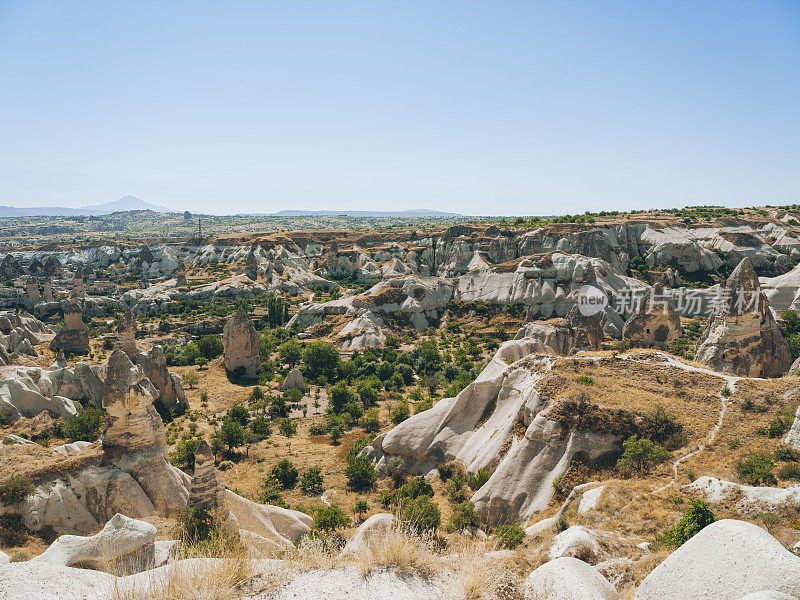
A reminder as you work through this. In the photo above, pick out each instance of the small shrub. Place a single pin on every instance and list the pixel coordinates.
(697, 516)
(446, 470)
(421, 513)
(463, 517)
(400, 412)
(271, 493)
(784, 454)
(585, 380)
(510, 535)
(790, 471)
(415, 488)
(85, 425)
(312, 481)
(360, 508)
(676, 441)
(20, 556)
(640, 456)
(196, 524)
(561, 525)
(285, 474)
(361, 474)
(15, 490)
(478, 479)
(756, 469)
(330, 518)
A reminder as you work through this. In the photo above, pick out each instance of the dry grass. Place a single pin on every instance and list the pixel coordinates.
(400, 549)
(212, 570)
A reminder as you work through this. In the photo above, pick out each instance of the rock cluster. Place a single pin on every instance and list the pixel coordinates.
(655, 324)
(126, 335)
(74, 335)
(742, 337)
(241, 345)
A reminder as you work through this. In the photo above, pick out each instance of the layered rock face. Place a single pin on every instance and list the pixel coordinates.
(575, 333)
(126, 332)
(168, 385)
(241, 345)
(74, 335)
(207, 490)
(742, 337)
(655, 324)
(479, 428)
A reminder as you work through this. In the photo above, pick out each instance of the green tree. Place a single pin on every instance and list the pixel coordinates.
(640, 455)
(360, 508)
(260, 427)
(85, 425)
(698, 516)
(330, 518)
(210, 346)
(361, 474)
(285, 473)
(312, 481)
(240, 414)
(183, 456)
(287, 428)
(340, 396)
(321, 360)
(400, 412)
(290, 352)
(231, 434)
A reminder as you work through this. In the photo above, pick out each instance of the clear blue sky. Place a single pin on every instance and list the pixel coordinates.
(475, 107)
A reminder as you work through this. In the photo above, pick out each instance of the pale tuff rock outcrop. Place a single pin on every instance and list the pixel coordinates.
(251, 265)
(793, 437)
(32, 295)
(135, 440)
(78, 284)
(241, 345)
(294, 380)
(477, 428)
(749, 500)
(52, 267)
(742, 337)
(370, 532)
(180, 274)
(364, 331)
(656, 323)
(569, 579)
(169, 385)
(120, 538)
(74, 335)
(575, 333)
(47, 291)
(20, 333)
(126, 332)
(724, 561)
(577, 542)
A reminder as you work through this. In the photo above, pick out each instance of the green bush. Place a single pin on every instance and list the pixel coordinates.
(463, 517)
(239, 413)
(183, 456)
(640, 455)
(510, 535)
(260, 427)
(312, 481)
(698, 515)
(415, 488)
(371, 421)
(321, 359)
(790, 471)
(15, 490)
(285, 473)
(784, 454)
(196, 524)
(210, 346)
(330, 518)
(231, 433)
(271, 493)
(85, 425)
(585, 380)
(421, 513)
(361, 474)
(400, 412)
(477, 480)
(756, 469)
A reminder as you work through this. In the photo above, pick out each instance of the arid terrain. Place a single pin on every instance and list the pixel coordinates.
(335, 407)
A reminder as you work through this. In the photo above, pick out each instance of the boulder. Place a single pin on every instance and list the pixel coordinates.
(370, 532)
(294, 380)
(724, 561)
(119, 537)
(577, 542)
(569, 579)
(742, 337)
(241, 345)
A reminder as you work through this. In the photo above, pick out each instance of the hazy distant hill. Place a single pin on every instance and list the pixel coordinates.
(126, 203)
(123, 204)
(422, 212)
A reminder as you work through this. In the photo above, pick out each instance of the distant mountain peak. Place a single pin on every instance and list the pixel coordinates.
(128, 202)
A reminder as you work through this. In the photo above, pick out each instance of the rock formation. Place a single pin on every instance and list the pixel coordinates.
(724, 561)
(126, 335)
(251, 265)
(241, 345)
(575, 333)
(294, 380)
(52, 267)
(78, 284)
(32, 296)
(168, 385)
(47, 292)
(10, 267)
(74, 335)
(180, 274)
(655, 324)
(742, 337)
